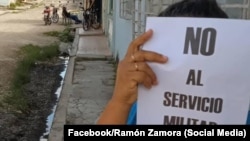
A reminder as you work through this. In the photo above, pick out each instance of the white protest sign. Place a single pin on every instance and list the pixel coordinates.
(207, 78)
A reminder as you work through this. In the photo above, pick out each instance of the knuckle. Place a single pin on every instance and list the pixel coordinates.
(143, 75)
(136, 43)
(140, 56)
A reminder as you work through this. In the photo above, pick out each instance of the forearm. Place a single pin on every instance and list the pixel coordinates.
(115, 113)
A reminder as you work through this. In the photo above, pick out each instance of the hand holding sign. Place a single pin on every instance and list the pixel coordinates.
(206, 80)
(132, 71)
(135, 70)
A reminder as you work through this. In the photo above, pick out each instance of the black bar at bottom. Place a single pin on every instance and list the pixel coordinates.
(78, 132)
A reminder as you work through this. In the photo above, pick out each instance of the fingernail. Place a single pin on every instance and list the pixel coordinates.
(165, 58)
(155, 82)
(150, 30)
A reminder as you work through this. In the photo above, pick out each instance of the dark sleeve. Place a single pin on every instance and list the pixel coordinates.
(67, 14)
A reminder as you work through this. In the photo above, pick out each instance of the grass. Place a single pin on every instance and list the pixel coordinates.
(64, 36)
(29, 55)
(12, 6)
(19, 3)
(52, 33)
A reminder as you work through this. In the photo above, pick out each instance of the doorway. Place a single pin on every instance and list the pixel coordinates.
(98, 5)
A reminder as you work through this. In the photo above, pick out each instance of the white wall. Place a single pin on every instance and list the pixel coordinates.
(122, 35)
(6, 2)
(118, 30)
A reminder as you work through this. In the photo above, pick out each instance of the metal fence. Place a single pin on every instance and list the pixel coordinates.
(138, 10)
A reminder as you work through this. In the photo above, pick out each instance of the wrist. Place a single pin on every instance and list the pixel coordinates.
(120, 103)
(124, 96)
(116, 112)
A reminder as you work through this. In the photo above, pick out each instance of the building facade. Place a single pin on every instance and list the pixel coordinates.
(124, 20)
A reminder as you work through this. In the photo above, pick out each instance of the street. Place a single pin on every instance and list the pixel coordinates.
(88, 85)
(18, 29)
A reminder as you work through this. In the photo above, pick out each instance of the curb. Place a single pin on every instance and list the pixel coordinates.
(91, 57)
(60, 114)
(92, 34)
(56, 131)
(60, 117)
(75, 44)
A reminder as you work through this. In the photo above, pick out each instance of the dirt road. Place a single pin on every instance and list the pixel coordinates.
(16, 30)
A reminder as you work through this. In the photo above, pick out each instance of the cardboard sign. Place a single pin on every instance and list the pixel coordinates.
(207, 78)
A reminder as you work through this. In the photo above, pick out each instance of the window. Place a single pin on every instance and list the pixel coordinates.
(111, 7)
(126, 9)
(138, 10)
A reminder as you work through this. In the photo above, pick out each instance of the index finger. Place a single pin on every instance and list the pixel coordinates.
(150, 56)
(135, 45)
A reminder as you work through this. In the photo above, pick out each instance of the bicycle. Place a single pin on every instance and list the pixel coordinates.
(55, 15)
(90, 19)
(94, 19)
(85, 21)
(47, 19)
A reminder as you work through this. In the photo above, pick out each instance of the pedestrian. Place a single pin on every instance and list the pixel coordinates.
(133, 69)
(71, 16)
(47, 11)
